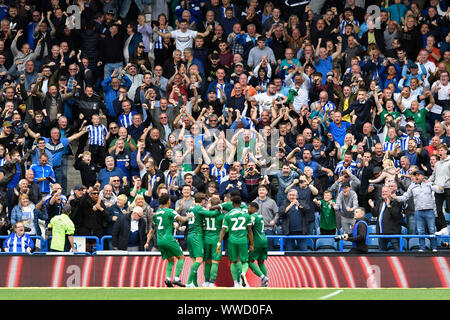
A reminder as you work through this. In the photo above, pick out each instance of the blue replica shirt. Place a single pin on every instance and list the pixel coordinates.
(104, 175)
(312, 164)
(18, 244)
(57, 150)
(339, 133)
(43, 172)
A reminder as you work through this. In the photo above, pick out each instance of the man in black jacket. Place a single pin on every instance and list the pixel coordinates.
(389, 218)
(362, 107)
(154, 145)
(93, 214)
(112, 49)
(410, 35)
(129, 231)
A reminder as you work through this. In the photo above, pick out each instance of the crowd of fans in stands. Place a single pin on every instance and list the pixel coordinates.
(310, 108)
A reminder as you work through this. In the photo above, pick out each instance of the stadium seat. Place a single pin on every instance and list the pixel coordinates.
(403, 244)
(372, 220)
(346, 245)
(372, 229)
(413, 244)
(373, 243)
(447, 217)
(310, 244)
(325, 244)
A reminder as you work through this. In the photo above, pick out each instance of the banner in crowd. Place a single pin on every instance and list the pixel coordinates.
(318, 271)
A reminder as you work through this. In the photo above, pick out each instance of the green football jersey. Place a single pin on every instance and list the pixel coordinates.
(196, 222)
(164, 224)
(213, 225)
(228, 206)
(259, 237)
(236, 222)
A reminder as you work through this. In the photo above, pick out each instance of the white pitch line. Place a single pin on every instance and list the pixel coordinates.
(331, 294)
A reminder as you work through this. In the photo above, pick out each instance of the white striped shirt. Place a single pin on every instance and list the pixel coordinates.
(97, 135)
(221, 173)
(159, 43)
(343, 23)
(16, 244)
(219, 92)
(126, 120)
(328, 106)
(404, 140)
(353, 167)
(391, 146)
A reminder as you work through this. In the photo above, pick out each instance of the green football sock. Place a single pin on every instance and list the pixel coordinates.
(179, 267)
(244, 268)
(239, 269)
(263, 269)
(254, 267)
(169, 268)
(234, 272)
(207, 271)
(214, 269)
(193, 273)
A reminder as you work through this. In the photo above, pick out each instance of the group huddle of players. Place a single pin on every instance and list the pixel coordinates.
(207, 227)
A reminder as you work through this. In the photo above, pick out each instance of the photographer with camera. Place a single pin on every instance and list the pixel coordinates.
(359, 234)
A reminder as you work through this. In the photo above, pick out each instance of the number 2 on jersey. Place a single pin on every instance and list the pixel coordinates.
(235, 226)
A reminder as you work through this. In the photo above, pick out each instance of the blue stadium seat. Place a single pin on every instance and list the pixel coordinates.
(372, 229)
(447, 217)
(373, 243)
(346, 245)
(325, 244)
(413, 244)
(310, 244)
(402, 245)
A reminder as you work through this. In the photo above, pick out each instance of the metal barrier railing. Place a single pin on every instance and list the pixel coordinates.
(339, 246)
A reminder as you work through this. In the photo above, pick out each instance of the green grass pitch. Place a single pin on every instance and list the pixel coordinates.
(220, 294)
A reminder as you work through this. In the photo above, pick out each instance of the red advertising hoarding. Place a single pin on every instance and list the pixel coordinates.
(318, 271)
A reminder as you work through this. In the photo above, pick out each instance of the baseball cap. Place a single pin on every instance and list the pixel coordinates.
(78, 187)
(111, 12)
(414, 65)
(239, 64)
(7, 124)
(410, 123)
(63, 78)
(419, 172)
